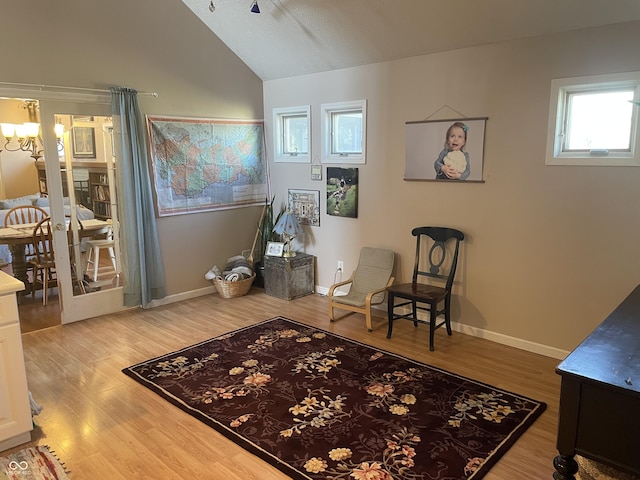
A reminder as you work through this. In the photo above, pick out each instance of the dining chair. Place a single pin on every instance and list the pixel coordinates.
(25, 214)
(434, 269)
(367, 284)
(43, 262)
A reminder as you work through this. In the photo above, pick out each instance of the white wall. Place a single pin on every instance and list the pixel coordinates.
(549, 250)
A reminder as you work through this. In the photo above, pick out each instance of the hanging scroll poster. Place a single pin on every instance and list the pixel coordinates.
(447, 150)
(206, 164)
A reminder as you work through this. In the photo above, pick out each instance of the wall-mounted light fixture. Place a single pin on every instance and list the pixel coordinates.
(27, 134)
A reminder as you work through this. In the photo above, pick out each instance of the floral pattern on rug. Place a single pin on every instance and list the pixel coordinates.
(320, 406)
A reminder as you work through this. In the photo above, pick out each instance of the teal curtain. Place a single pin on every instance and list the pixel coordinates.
(144, 278)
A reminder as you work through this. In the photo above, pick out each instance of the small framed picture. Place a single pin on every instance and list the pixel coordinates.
(342, 192)
(83, 142)
(274, 249)
(306, 206)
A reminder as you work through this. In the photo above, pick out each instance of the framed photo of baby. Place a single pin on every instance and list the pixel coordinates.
(445, 150)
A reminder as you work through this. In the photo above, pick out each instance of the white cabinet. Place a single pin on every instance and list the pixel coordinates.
(15, 410)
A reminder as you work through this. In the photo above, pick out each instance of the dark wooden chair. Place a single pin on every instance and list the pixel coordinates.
(435, 263)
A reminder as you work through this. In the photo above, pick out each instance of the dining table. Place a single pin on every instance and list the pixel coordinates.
(17, 237)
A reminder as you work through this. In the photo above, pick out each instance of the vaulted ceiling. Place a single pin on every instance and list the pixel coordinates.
(296, 37)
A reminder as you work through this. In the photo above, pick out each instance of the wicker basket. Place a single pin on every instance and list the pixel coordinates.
(233, 289)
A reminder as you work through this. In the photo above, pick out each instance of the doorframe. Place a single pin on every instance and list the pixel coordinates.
(79, 307)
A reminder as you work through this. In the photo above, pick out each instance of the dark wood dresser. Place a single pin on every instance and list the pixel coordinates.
(600, 395)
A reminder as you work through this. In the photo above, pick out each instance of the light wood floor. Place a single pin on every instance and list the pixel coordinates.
(104, 425)
(35, 316)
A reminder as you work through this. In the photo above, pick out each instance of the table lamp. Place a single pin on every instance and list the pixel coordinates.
(289, 226)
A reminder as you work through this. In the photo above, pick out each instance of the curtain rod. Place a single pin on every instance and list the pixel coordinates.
(60, 87)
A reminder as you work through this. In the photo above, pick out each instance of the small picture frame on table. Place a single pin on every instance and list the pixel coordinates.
(274, 249)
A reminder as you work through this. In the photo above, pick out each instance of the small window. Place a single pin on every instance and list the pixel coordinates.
(291, 134)
(344, 132)
(592, 121)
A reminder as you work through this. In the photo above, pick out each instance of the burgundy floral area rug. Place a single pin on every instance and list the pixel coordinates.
(320, 406)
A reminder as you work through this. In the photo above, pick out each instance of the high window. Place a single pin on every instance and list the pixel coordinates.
(593, 121)
(291, 134)
(344, 132)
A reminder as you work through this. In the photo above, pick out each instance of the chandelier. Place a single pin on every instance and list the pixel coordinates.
(27, 135)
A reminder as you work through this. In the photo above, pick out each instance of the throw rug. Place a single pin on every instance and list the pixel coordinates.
(33, 463)
(320, 406)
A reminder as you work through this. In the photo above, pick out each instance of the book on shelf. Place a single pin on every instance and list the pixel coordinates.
(102, 209)
(102, 193)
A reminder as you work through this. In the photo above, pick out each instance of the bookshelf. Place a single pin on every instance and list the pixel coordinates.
(100, 194)
(90, 185)
(42, 181)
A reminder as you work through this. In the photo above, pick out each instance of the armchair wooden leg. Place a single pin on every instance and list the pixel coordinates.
(368, 320)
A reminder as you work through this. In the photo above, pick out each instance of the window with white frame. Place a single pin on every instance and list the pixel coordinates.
(344, 127)
(592, 121)
(291, 127)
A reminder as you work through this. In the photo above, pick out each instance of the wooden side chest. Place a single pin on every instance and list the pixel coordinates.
(289, 277)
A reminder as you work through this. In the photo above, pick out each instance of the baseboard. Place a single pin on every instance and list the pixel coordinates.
(178, 297)
(322, 290)
(519, 343)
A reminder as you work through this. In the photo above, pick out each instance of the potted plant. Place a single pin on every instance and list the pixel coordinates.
(265, 235)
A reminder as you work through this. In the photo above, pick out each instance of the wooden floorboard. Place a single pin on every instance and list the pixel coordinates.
(103, 424)
(36, 316)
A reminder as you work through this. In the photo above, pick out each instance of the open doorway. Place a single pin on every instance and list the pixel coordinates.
(79, 179)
